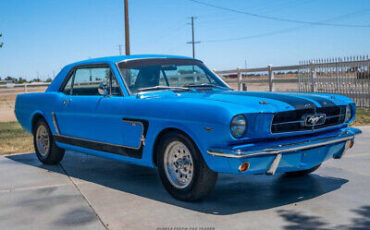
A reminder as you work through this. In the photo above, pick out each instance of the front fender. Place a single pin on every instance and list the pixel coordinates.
(195, 130)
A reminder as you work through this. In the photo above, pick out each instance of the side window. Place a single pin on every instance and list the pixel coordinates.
(87, 80)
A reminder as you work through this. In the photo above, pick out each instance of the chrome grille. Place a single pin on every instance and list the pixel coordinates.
(293, 121)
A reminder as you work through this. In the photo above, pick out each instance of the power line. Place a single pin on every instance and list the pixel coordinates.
(165, 34)
(280, 31)
(277, 18)
(254, 36)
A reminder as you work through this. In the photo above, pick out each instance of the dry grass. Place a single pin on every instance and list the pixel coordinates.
(14, 139)
(362, 117)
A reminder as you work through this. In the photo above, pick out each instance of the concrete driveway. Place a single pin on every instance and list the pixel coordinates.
(86, 192)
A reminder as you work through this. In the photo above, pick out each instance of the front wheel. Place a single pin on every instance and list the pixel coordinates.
(46, 149)
(303, 172)
(182, 170)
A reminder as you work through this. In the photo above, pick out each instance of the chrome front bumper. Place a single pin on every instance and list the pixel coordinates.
(345, 135)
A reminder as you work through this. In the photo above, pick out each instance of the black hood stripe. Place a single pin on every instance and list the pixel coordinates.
(321, 100)
(295, 101)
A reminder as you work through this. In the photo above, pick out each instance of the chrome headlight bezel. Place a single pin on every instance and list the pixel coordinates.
(348, 114)
(238, 126)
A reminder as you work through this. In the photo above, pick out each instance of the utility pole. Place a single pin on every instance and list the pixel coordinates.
(193, 42)
(120, 49)
(127, 29)
(1, 43)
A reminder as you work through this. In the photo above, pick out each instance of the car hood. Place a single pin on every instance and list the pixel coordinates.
(259, 101)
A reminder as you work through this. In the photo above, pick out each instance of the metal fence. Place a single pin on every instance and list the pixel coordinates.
(348, 76)
(9, 87)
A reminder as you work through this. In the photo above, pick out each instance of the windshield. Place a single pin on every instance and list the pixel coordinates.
(167, 74)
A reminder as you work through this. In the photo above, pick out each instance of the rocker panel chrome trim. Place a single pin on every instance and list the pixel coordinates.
(101, 146)
(55, 123)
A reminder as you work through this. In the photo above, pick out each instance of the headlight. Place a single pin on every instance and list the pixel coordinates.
(238, 126)
(348, 115)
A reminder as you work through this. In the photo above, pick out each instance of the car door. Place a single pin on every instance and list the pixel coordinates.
(94, 120)
(113, 123)
(80, 96)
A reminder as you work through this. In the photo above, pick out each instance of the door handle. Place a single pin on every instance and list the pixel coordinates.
(65, 101)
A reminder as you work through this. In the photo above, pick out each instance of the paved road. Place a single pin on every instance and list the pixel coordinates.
(85, 192)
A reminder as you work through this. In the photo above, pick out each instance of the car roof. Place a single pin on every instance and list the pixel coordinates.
(115, 59)
(58, 80)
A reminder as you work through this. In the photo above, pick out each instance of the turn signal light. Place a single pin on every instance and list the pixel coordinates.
(351, 144)
(244, 167)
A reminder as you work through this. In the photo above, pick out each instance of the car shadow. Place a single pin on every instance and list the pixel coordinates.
(232, 194)
(298, 220)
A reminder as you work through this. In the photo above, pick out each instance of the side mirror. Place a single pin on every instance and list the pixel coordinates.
(103, 89)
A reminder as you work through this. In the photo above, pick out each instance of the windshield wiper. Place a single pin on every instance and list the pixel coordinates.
(162, 87)
(193, 85)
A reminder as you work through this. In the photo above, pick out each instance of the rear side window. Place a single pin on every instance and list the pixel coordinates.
(86, 81)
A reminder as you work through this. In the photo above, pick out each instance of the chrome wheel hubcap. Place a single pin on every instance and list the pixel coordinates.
(42, 140)
(178, 164)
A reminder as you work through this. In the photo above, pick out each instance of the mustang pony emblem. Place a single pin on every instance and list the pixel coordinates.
(311, 120)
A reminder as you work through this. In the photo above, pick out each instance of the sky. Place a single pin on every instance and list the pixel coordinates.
(42, 36)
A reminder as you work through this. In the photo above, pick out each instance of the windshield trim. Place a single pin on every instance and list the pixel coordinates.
(139, 62)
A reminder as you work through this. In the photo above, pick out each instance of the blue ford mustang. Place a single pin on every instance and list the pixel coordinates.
(173, 113)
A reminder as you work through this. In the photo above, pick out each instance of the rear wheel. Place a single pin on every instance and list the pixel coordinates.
(182, 169)
(46, 149)
(303, 172)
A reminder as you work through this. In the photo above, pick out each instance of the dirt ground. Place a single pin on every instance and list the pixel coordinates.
(7, 102)
(7, 108)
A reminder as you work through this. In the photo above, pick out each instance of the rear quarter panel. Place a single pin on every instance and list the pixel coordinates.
(30, 104)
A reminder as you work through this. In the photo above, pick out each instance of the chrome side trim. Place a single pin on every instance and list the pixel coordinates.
(98, 142)
(344, 136)
(55, 122)
(144, 125)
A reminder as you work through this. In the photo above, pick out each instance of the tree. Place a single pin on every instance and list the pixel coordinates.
(36, 80)
(49, 79)
(21, 80)
(1, 43)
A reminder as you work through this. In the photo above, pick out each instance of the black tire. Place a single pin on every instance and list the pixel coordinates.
(54, 154)
(203, 179)
(302, 172)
